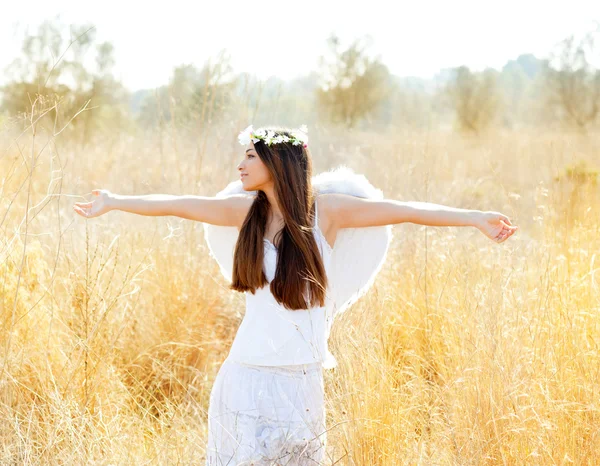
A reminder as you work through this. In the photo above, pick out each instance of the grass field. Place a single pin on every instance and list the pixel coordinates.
(465, 352)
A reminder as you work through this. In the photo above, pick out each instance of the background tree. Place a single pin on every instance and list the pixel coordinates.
(194, 97)
(410, 104)
(474, 97)
(519, 83)
(573, 83)
(53, 67)
(353, 84)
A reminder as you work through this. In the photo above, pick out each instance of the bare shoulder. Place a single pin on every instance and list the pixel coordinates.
(241, 203)
(329, 223)
(348, 211)
(328, 206)
(326, 201)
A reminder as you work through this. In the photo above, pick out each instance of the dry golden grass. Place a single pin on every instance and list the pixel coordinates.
(465, 352)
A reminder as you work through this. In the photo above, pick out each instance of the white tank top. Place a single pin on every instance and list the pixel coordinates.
(271, 335)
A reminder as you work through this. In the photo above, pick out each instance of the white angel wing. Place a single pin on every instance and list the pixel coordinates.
(358, 253)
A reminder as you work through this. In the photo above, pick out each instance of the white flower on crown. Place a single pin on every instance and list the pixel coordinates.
(268, 136)
(244, 136)
(300, 136)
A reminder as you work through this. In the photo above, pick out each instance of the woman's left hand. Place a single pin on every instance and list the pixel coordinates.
(495, 226)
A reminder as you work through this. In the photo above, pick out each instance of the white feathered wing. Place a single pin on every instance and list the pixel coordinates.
(358, 253)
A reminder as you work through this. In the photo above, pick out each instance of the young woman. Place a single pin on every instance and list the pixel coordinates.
(302, 249)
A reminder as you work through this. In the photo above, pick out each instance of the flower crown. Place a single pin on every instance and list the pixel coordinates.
(299, 136)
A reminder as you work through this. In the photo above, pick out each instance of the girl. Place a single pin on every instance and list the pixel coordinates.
(302, 249)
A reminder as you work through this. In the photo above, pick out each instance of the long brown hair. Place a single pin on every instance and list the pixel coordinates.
(300, 266)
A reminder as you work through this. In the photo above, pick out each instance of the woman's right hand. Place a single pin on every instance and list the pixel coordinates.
(100, 205)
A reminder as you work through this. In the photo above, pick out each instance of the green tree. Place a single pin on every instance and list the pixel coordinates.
(573, 83)
(53, 67)
(194, 97)
(353, 85)
(474, 97)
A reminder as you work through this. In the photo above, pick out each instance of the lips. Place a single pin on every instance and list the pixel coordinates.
(243, 175)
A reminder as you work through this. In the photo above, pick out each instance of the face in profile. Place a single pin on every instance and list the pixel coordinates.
(254, 173)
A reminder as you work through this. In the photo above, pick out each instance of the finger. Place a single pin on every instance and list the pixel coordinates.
(95, 191)
(506, 219)
(80, 212)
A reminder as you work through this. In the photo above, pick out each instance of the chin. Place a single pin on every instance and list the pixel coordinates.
(248, 187)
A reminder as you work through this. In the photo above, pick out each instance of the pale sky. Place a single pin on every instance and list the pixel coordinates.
(285, 39)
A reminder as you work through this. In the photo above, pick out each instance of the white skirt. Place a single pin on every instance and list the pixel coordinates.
(266, 415)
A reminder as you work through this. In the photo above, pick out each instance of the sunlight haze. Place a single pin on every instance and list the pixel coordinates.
(285, 39)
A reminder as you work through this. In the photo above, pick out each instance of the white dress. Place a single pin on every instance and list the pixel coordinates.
(266, 415)
(267, 402)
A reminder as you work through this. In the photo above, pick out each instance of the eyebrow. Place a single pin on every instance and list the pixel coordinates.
(248, 150)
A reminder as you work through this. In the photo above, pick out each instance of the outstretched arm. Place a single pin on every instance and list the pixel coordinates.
(225, 211)
(354, 212)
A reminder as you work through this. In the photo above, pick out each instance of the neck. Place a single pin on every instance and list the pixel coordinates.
(275, 210)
